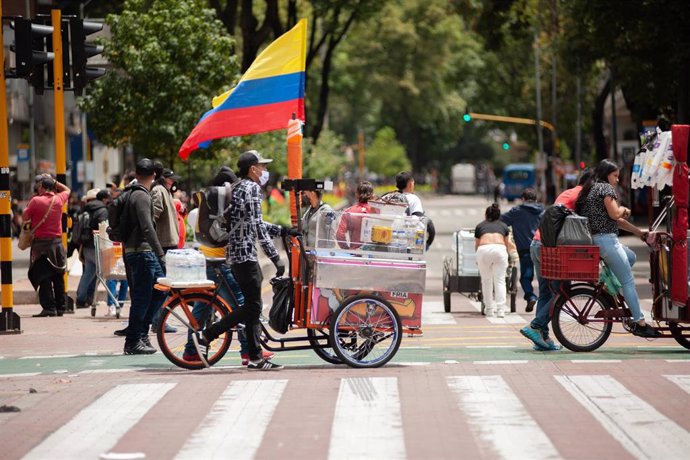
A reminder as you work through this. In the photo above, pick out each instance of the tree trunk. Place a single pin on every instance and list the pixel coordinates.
(227, 15)
(598, 122)
(253, 38)
(324, 90)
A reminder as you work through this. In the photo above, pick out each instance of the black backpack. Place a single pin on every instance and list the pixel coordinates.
(551, 223)
(81, 231)
(211, 226)
(118, 215)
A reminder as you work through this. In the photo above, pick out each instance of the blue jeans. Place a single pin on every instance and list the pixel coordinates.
(234, 297)
(143, 271)
(527, 274)
(620, 259)
(542, 317)
(112, 287)
(87, 283)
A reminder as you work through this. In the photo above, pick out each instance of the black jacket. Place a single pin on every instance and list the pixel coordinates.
(98, 213)
(140, 220)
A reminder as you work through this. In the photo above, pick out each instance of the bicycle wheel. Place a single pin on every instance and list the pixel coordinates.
(327, 354)
(572, 329)
(176, 314)
(365, 331)
(681, 334)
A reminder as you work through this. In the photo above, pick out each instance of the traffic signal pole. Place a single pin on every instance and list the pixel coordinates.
(522, 121)
(9, 320)
(59, 103)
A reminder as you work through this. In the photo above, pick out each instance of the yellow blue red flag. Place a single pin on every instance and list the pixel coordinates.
(267, 95)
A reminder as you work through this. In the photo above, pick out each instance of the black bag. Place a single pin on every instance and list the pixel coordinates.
(575, 231)
(118, 215)
(81, 231)
(551, 223)
(280, 316)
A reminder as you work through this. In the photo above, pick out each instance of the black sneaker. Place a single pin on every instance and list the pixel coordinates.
(45, 313)
(201, 345)
(530, 305)
(139, 348)
(147, 341)
(263, 365)
(121, 332)
(645, 331)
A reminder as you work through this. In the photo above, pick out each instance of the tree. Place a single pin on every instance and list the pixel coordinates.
(168, 58)
(385, 155)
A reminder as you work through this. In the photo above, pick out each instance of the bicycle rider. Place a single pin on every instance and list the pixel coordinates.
(246, 225)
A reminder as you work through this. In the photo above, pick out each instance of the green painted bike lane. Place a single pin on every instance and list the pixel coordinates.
(87, 363)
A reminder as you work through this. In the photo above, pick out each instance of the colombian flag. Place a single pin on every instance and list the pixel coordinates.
(265, 98)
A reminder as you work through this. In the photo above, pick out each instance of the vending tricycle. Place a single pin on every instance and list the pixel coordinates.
(355, 293)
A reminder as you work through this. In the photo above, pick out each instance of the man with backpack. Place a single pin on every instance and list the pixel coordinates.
(404, 193)
(131, 222)
(93, 213)
(246, 226)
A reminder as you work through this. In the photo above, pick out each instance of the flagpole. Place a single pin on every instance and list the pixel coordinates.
(294, 164)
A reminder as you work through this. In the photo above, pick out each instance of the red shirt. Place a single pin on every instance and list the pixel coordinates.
(351, 226)
(567, 199)
(36, 209)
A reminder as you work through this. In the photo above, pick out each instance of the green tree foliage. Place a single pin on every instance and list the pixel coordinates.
(386, 156)
(409, 68)
(169, 58)
(325, 158)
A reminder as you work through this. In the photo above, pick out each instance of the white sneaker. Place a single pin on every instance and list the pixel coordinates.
(111, 311)
(489, 312)
(500, 313)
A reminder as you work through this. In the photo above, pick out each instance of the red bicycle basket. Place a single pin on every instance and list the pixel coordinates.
(574, 263)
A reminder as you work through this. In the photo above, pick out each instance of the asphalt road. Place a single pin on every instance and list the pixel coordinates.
(471, 387)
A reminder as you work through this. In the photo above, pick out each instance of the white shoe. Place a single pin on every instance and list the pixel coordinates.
(489, 312)
(111, 311)
(500, 313)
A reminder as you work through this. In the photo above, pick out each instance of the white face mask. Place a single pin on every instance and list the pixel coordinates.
(263, 179)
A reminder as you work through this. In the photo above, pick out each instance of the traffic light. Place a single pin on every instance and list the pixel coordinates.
(467, 117)
(30, 49)
(82, 51)
(506, 146)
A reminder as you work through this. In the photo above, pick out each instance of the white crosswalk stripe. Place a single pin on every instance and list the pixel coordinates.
(640, 428)
(491, 408)
(367, 422)
(236, 422)
(366, 418)
(510, 318)
(98, 427)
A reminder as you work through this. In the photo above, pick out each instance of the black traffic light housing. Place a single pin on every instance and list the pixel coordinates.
(82, 51)
(31, 50)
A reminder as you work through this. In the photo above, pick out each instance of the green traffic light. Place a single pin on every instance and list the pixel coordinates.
(506, 146)
(467, 118)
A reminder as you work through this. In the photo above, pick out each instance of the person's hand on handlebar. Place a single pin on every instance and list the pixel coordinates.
(280, 266)
(289, 231)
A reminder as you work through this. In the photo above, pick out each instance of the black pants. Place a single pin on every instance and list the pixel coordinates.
(51, 293)
(248, 276)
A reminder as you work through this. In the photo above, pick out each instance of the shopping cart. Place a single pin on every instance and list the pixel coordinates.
(109, 266)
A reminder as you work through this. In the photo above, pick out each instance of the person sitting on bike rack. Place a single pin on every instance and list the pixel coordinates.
(493, 244)
(598, 202)
(246, 225)
(218, 271)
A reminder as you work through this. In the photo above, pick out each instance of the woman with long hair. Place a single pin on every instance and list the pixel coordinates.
(598, 201)
(492, 242)
(348, 235)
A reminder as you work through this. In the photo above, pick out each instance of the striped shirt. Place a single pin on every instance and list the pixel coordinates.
(246, 225)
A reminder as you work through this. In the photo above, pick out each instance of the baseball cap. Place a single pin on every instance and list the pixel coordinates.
(144, 167)
(251, 157)
(169, 174)
(91, 194)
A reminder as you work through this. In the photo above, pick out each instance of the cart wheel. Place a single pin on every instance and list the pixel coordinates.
(365, 331)
(118, 310)
(173, 345)
(575, 332)
(93, 310)
(446, 292)
(326, 354)
(681, 333)
(513, 288)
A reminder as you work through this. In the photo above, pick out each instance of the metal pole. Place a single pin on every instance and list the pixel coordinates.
(9, 320)
(32, 121)
(59, 98)
(537, 85)
(578, 121)
(614, 122)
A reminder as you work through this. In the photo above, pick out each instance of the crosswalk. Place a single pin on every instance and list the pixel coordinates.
(371, 417)
(456, 212)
